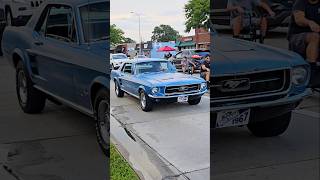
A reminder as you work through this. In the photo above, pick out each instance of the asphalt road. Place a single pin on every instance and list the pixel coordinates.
(170, 141)
(58, 144)
(295, 155)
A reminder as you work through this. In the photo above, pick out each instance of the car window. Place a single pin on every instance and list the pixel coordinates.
(119, 56)
(95, 21)
(127, 68)
(154, 66)
(60, 23)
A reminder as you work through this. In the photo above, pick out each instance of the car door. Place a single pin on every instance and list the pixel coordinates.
(52, 54)
(125, 77)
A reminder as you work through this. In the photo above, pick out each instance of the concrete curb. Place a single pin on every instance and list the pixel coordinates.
(145, 161)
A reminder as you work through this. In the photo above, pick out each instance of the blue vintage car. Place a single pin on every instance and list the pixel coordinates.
(155, 80)
(60, 55)
(255, 85)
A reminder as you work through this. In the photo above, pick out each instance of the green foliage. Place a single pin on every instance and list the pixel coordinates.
(120, 169)
(197, 13)
(164, 33)
(128, 40)
(116, 35)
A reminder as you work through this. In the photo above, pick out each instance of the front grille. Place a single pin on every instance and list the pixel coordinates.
(184, 89)
(253, 84)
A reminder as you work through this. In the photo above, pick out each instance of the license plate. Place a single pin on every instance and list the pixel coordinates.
(182, 98)
(233, 118)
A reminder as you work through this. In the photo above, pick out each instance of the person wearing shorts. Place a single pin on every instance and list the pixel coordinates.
(304, 34)
(241, 10)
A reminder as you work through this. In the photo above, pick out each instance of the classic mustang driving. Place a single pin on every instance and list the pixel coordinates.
(155, 80)
(60, 56)
(255, 85)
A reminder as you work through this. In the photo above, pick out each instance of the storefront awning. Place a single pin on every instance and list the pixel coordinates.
(185, 44)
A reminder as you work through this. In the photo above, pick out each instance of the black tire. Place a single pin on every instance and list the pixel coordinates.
(9, 17)
(146, 102)
(102, 112)
(194, 101)
(117, 89)
(272, 127)
(30, 99)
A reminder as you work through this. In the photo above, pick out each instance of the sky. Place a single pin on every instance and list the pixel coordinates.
(153, 13)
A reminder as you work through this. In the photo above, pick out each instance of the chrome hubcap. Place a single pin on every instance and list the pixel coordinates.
(116, 88)
(103, 121)
(143, 100)
(22, 87)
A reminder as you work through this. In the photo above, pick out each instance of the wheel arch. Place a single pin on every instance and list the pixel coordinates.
(98, 83)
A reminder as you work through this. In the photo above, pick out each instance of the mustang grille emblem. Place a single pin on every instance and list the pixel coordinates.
(235, 85)
(183, 88)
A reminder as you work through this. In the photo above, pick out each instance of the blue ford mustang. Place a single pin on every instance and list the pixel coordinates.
(155, 80)
(60, 56)
(255, 85)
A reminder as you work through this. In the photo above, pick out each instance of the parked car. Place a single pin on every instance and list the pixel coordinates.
(256, 85)
(18, 12)
(282, 8)
(156, 80)
(117, 59)
(196, 55)
(53, 61)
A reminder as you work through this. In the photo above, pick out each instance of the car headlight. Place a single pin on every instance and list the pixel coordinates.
(155, 90)
(299, 75)
(203, 85)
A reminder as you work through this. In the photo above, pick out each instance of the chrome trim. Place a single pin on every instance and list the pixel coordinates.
(131, 94)
(178, 86)
(285, 100)
(67, 102)
(174, 96)
(253, 72)
(264, 94)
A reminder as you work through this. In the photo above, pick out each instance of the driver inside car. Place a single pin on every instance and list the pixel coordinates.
(241, 10)
(304, 35)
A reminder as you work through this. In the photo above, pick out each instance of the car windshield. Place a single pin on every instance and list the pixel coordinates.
(95, 21)
(119, 56)
(154, 66)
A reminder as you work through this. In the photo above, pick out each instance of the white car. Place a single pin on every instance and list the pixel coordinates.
(117, 59)
(20, 10)
(140, 57)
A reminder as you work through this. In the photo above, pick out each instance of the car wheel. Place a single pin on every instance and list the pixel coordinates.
(117, 89)
(9, 18)
(102, 111)
(145, 102)
(194, 101)
(30, 99)
(272, 127)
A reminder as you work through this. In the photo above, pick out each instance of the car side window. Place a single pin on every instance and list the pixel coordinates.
(60, 24)
(127, 68)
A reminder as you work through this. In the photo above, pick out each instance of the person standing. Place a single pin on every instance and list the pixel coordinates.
(304, 34)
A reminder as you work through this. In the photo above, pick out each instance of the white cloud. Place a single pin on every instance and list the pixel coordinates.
(153, 13)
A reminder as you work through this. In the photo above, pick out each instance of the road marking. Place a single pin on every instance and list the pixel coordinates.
(307, 113)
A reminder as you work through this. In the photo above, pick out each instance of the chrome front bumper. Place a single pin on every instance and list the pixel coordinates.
(175, 96)
(282, 101)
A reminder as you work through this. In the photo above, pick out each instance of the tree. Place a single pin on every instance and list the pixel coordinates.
(128, 40)
(197, 13)
(164, 33)
(116, 35)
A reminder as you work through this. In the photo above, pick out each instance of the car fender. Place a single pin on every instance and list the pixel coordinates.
(23, 57)
(143, 88)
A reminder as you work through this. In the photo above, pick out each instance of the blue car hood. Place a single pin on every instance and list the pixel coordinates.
(170, 79)
(231, 56)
